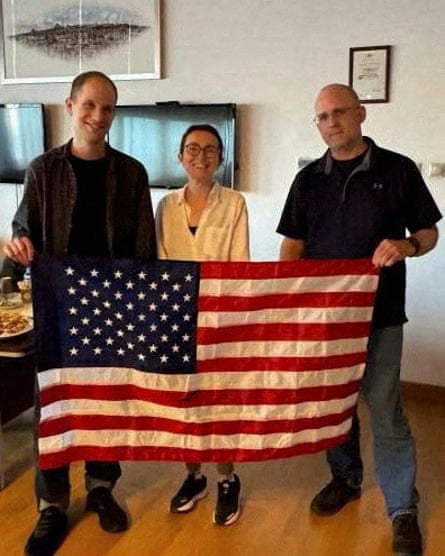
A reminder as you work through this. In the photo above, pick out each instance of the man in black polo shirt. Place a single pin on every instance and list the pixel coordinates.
(356, 201)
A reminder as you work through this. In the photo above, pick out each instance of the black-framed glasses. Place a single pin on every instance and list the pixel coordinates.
(193, 149)
(335, 114)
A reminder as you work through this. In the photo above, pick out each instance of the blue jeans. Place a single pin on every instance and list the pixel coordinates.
(394, 450)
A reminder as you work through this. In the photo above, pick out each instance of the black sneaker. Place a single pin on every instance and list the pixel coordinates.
(112, 517)
(333, 497)
(407, 540)
(227, 509)
(49, 533)
(192, 490)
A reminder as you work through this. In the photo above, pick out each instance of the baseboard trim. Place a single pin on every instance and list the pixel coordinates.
(423, 391)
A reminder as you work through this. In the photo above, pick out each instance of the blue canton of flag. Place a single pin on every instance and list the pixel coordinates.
(121, 314)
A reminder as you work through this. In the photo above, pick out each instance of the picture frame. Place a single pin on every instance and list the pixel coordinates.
(50, 41)
(369, 72)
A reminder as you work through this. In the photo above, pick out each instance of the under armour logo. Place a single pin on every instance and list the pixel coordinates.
(377, 185)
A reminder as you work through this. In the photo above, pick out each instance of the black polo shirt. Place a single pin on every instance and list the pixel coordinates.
(343, 214)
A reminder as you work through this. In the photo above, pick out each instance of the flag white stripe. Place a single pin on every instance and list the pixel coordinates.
(268, 349)
(198, 414)
(307, 284)
(108, 376)
(283, 316)
(118, 438)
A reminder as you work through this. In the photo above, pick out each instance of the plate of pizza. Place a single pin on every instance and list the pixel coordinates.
(13, 324)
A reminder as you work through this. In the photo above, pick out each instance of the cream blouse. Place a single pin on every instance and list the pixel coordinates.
(222, 233)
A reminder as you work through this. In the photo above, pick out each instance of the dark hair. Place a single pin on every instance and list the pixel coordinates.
(80, 80)
(202, 127)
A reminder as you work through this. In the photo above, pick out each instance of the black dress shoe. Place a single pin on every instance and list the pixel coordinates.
(49, 533)
(333, 497)
(407, 540)
(112, 517)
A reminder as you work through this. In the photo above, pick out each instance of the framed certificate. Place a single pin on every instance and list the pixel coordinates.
(369, 72)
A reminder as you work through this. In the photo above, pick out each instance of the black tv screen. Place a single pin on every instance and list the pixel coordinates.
(152, 134)
(22, 138)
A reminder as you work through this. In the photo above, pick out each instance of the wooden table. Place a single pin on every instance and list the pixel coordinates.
(17, 376)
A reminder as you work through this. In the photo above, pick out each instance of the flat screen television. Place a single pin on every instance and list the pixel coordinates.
(152, 134)
(22, 138)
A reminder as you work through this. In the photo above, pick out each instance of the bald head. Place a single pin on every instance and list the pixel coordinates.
(339, 115)
(337, 90)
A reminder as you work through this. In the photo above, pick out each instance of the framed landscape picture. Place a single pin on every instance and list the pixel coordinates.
(51, 40)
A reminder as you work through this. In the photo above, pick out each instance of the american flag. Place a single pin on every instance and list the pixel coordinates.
(186, 361)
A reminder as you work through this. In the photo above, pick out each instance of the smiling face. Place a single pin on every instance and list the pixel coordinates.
(201, 156)
(339, 115)
(92, 109)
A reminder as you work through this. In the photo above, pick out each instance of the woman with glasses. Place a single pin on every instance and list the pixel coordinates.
(204, 221)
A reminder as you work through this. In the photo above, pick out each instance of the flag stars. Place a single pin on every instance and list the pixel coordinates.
(118, 274)
(164, 338)
(141, 357)
(97, 350)
(176, 287)
(84, 301)
(130, 306)
(107, 304)
(72, 311)
(95, 293)
(82, 282)
(164, 358)
(164, 317)
(118, 295)
(141, 338)
(175, 327)
(176, 307)
(188, 277)
(119, 316)
(141, 317)
(69, 271)
(186, 317)
(186, 338)
(108, 322)
(120, 333)
(141, 296)
(85, 341)
(187, 297)
(109, 341)
(94, 273)
(106, 284)
(97, 331)
(120, 352)
(175, 348)
(96, 311)
(165, 276)
(153, 348)
(164, 296)
(153, 286)
(74, 331)
(142, 275)
(71, 291)
(186, 358)
(129, 285)
(74, 351)
(153, 327)
(130, 327)
(152, 307)
(130, 345)
(85, 321)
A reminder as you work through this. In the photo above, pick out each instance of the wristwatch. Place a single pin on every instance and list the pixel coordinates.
(415, 243)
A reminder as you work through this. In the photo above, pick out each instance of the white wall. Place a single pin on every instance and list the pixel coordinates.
(270, 57)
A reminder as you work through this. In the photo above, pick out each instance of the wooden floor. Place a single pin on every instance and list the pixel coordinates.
(275, 520)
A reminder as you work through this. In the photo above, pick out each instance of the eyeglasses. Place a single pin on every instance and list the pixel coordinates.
(193, 149)
(337, 113)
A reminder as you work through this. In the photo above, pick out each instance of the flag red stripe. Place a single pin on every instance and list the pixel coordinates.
(291, 269)
(197, 398)
(283, 331)
(141, 453)
(291, 364)
(236, 303)
(140, 423)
